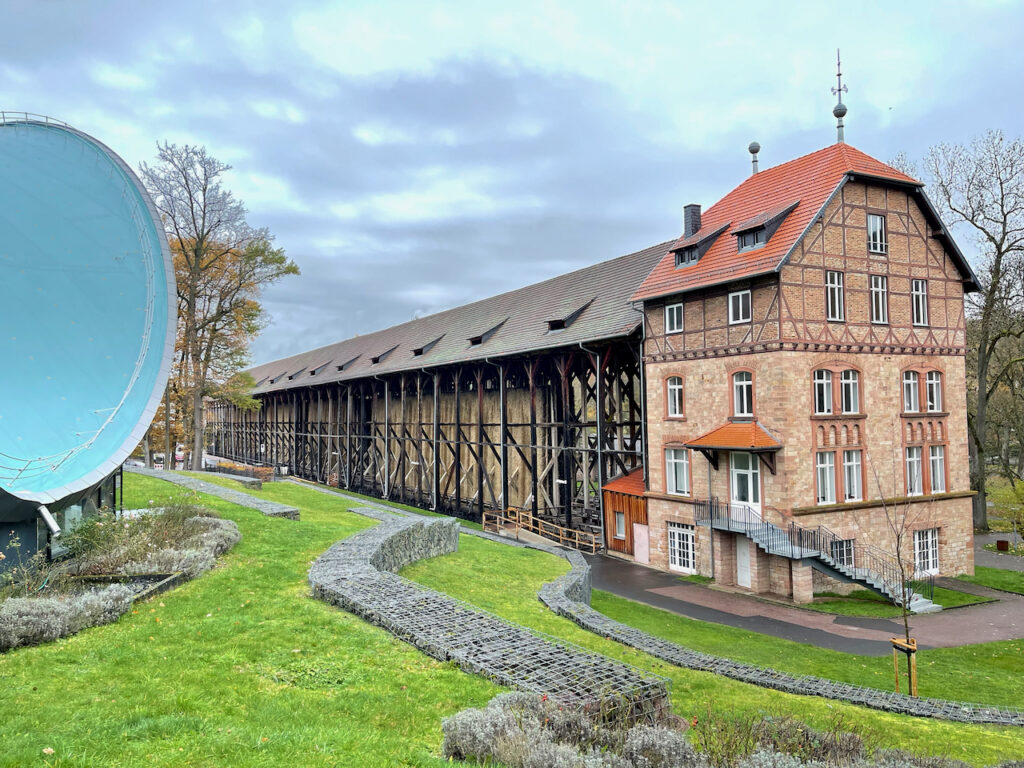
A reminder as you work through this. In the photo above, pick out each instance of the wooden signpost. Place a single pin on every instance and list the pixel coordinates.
(909, 647)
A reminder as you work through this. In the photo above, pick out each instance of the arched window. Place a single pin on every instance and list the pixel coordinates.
(674, 395)
(743, 393)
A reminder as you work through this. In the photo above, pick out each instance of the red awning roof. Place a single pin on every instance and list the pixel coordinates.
(633, 483)
(742, 435)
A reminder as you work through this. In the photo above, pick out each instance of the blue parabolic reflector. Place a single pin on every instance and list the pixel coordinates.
(87, 310)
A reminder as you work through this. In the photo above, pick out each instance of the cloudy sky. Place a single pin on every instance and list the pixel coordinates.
(414, 156)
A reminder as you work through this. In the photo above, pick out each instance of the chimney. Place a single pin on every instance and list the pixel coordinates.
(691, 219)
(753, 149)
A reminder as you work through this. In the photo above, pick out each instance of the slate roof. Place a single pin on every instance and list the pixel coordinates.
(808, 181)
(522, 315)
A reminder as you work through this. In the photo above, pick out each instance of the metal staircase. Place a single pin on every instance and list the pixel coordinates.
(868, 566)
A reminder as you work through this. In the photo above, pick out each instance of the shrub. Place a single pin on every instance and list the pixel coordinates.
(30, 621)
(834, 747)
(769, 758)
(474, 733)
(547, 754)
(897, 758)
(656, 747)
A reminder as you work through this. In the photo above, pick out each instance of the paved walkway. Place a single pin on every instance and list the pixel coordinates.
(993, 559)
(1002, 620)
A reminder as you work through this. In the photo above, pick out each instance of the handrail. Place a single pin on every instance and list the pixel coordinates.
(796, 541)
(524, 519)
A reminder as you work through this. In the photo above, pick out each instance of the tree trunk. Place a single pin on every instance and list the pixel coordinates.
(168, 456)
(197, 430)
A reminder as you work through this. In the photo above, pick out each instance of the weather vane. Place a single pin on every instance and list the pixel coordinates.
(839, 111)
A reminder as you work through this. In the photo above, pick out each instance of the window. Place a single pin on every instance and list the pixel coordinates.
(677, 471)
(852, 476)
(739, 307)
(823, 392)
(835, 306)
(926, 551)
(850, 391)
(743, 394)
(744, 479)
(687, 256)
(919, 301)
(620, 525)
(937, 466)
(673, 318)
(879, 299)
(914, 486)
(680, 548)
(933, 391)
(876, 233)
(911, 401)
(842, 552)
(751, 239)
(826, 464)
(674, 392)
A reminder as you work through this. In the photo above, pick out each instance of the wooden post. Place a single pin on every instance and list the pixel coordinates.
(910, 649)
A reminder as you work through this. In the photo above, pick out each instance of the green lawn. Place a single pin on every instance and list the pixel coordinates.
(479, 573)
(242, 668)
(1005, 501)
(864, 602)
(238, 668)
(997, 578)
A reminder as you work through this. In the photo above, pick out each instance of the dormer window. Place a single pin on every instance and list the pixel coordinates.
(475, 341)
(314, 371)
(420, 351)
(347, 364)
(563, 322)
(383, 355)
(292, 376)
(751, 239)
(687, 256)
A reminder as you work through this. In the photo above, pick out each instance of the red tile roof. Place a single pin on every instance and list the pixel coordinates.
(745, 435)
(633, 483)
(810, 179)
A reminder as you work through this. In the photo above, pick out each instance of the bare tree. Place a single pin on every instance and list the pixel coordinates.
(221, 264)
(982, 187)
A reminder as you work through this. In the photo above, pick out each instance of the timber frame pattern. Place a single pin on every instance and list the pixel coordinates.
(541, 431)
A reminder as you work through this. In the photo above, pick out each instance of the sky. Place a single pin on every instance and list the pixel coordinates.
(411, 157)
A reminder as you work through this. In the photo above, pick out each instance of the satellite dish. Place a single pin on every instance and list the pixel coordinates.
(87, 316)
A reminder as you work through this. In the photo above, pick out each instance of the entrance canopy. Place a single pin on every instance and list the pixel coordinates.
(747, 436)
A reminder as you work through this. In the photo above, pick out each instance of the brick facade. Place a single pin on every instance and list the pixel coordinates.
(789, 338)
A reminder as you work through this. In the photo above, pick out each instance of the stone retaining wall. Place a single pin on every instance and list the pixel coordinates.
(355, 575)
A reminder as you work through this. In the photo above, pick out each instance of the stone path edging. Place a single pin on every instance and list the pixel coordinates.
(268, 508)
(357, 575)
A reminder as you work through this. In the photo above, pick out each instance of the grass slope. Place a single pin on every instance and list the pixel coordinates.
(480, 574)
(238, 668)
(864, 602)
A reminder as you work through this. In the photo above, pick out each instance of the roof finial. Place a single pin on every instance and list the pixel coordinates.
(840, 109)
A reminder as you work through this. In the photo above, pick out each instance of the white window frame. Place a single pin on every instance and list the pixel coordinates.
(879, 299)
(933, 391)
(673, 313)
(677, 457)
(876, 234)
(853, 475)
(736, 307)
(823, 405)
(926, 551)
(674, 396)
(849, 386)
(835, 300)
(825, 466)
(682, 547)
(915, 475)
(751, 239)
(743, 394)
(937, 467)
(842, 552)
(919, 302)
(911, 392)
